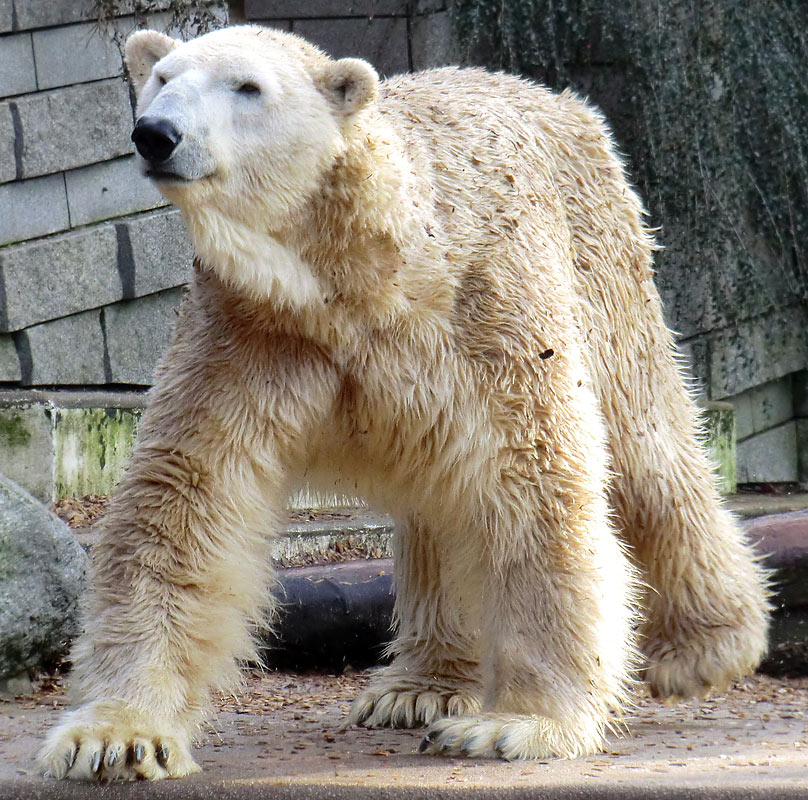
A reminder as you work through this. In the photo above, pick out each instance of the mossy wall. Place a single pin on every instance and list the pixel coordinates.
(709, 100)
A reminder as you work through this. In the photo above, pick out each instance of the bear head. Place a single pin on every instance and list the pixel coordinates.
(247, 115)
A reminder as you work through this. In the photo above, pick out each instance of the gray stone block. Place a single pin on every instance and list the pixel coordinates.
(75, 54)
(763, 407)
(769, 457)
(381, 40)
(695, 363)
(59, 276)
(46, 13)
(66, 351)
(74, 126)
(32, 208)
(109, 189)
(802, 450)
(9, 363)
(432, 41)
(44, 572)
(6, 15)
(138, 332)
(26, 447)
(758, 351)
(162, 255)
(17, 73)
(801, 393)
(8, 160)
(294, 9)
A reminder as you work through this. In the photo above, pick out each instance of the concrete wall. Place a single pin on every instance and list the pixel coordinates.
(92, 260)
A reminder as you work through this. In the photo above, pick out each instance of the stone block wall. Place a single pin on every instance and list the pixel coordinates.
(91, 256)
(92, 260)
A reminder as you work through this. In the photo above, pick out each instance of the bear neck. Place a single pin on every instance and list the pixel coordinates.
(348, 251)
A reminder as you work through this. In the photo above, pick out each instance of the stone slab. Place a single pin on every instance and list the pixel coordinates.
(9, 363)
(137, 334)
(109, 189)
(59, 276)
(46, 13)
(6, 15)
(17, 71)
(800, 387)
(75, 54)
(758, 351)
(74, 126)
(32, 208)
(26, 448)
(162, 255)
(802, 450)
(432, 41)
(380, 40)
(66, 351)
(769, 457)
(763, 407)
(293, 9)
(8, 159)
(721, 443)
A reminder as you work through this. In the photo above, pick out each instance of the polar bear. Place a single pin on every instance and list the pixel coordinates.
(435, 292)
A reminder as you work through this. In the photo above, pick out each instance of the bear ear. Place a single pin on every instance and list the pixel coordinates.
(349, 85)
(143, 50)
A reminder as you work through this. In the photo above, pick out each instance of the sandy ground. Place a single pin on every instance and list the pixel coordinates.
(282, 731)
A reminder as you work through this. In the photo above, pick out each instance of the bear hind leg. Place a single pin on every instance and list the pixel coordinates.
(435, 670)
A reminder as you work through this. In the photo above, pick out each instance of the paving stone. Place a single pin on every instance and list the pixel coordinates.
(763, 407)
(75, 54)
(67, 351)
(8, 161)
(294, 9)
(73, 126)
(758, 351)
(109, 189)
(432, 41)
(162, 255)
(381, 40)
(9, 363)
(17, 73)
(138, 332)
(59, 276)
(769, 457)
(32, 208)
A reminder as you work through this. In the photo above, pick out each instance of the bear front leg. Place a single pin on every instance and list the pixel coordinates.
(435, 668)
(181, 569)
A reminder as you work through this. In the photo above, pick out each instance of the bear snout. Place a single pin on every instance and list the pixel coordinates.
(155, 138)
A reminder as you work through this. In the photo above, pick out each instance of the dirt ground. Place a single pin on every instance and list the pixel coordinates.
(282, 730)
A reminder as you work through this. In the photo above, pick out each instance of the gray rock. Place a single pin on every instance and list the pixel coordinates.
(42, 574)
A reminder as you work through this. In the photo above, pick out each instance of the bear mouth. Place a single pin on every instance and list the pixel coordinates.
(165, 176)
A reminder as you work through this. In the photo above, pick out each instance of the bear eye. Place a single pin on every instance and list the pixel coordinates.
(248, 88)
(161, 80)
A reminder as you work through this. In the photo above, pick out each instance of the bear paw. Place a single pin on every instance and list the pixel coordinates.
(411, 703)
(707, 664)
(97, 743)
(511, 737)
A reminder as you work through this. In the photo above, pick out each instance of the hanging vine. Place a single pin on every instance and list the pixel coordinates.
(710, 100)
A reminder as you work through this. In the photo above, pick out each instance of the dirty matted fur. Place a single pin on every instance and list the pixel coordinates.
(437, 293)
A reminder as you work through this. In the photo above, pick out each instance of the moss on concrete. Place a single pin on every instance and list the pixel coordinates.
(720, 439)
(91, 449)
(13, 430)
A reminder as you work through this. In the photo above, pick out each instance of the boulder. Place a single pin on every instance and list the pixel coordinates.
(42, 574)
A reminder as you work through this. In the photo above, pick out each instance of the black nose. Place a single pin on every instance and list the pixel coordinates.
(155, 138)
